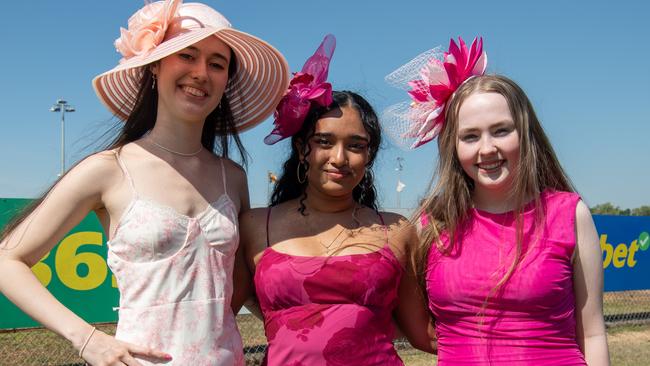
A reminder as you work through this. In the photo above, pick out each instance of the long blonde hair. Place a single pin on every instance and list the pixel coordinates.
(447, 206)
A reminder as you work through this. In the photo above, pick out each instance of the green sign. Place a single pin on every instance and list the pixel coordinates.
(74, 271)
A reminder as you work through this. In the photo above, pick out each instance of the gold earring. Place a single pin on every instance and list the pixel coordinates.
(304, 178)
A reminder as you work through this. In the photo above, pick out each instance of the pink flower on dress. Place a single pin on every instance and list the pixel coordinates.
(146, 28)
(352, 346)
(327, 283)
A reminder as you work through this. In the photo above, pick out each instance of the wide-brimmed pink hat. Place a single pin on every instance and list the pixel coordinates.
(162, 28)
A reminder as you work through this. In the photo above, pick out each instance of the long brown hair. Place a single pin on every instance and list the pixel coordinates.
(218, 129)
(447, 206)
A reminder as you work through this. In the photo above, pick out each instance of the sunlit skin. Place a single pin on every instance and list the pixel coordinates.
(191, 82)
(338, 158)
(487, 146)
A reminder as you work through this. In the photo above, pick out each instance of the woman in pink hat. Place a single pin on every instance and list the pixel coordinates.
(165, 191)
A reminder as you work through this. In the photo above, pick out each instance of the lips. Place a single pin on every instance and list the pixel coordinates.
(195, 92)
(337, 174)
(491, 165)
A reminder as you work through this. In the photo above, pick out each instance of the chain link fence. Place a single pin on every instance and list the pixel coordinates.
(38, 346)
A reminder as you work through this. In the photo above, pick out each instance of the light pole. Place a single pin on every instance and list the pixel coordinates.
(62, 106)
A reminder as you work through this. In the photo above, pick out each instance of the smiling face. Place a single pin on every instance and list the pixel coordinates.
(192, 81)
(487, 143)
(338, 153)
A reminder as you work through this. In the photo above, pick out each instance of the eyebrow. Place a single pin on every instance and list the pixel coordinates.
(496, 125)
(215, 54)
(353, 137)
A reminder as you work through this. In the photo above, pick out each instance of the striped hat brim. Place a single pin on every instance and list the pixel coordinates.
(254, 91)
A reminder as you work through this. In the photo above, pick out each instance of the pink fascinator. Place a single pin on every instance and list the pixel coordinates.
(307, 88)
(430, 79)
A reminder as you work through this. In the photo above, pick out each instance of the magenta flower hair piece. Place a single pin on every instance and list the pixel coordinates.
(430, 79)
(307, 88)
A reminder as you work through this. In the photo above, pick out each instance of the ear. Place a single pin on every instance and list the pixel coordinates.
(300, 148)
(154, 68)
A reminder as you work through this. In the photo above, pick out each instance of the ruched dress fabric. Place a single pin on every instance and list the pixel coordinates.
(174, 274)
(531, 319)
(330, 310)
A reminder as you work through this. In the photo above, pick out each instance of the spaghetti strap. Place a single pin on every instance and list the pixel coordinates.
(126, 173)
(268, 218)
(223, 176)
(381, 218)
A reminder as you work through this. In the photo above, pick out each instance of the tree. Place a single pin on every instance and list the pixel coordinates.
(608, 208)
(605, 209)
(641, 211)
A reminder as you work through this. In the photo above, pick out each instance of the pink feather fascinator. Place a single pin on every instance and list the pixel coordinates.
(306, 89)
(430, 80)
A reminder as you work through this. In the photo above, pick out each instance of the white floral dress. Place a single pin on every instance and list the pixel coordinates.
(174, 274)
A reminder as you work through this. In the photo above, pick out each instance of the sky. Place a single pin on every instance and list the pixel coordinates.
(584, 65)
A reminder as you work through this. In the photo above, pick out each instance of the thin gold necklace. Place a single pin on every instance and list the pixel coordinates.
(330, 248)
(173, 151)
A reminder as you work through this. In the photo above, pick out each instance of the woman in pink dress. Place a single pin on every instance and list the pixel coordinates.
(509, 258)
(165, 191)
(327, 265)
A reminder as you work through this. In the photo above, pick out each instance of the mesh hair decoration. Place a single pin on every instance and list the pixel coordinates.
(430, 79)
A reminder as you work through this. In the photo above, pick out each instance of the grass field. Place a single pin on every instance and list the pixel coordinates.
(629, 343)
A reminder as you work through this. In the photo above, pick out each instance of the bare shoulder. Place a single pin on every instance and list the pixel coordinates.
(253, 217)
(392, 218)
(401, 233)
(252, 226)
(94, 174)
(397, 224)
(584, 226)
(583, 214)
(233, 169)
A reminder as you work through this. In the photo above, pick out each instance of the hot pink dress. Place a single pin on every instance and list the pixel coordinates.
(329, 311)
(531, 321)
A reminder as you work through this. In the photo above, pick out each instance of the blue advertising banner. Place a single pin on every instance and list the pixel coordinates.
(624, 241)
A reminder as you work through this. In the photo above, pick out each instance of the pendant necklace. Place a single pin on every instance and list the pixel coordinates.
(330, 247)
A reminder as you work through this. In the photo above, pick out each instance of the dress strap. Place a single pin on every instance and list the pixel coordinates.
(223, 176)
(268, 218)
(381, 219)
(126, 173)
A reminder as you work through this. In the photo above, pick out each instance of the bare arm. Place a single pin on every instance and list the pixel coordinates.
(411, 314)
(588, 287)
(73, 197)
(253, 243)
(242, 281)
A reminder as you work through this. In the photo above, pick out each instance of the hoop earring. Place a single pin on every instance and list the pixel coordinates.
(304, 178)
(153, 83)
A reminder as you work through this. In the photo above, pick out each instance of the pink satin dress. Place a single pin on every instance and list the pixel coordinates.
(531, 320)
(329, 311)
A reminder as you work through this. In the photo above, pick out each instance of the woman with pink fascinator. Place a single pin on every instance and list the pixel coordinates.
(327, 264)
(509, 259)
(165, 191)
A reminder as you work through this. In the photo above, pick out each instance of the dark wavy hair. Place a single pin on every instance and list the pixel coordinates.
(218, 129)
(288, 187)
